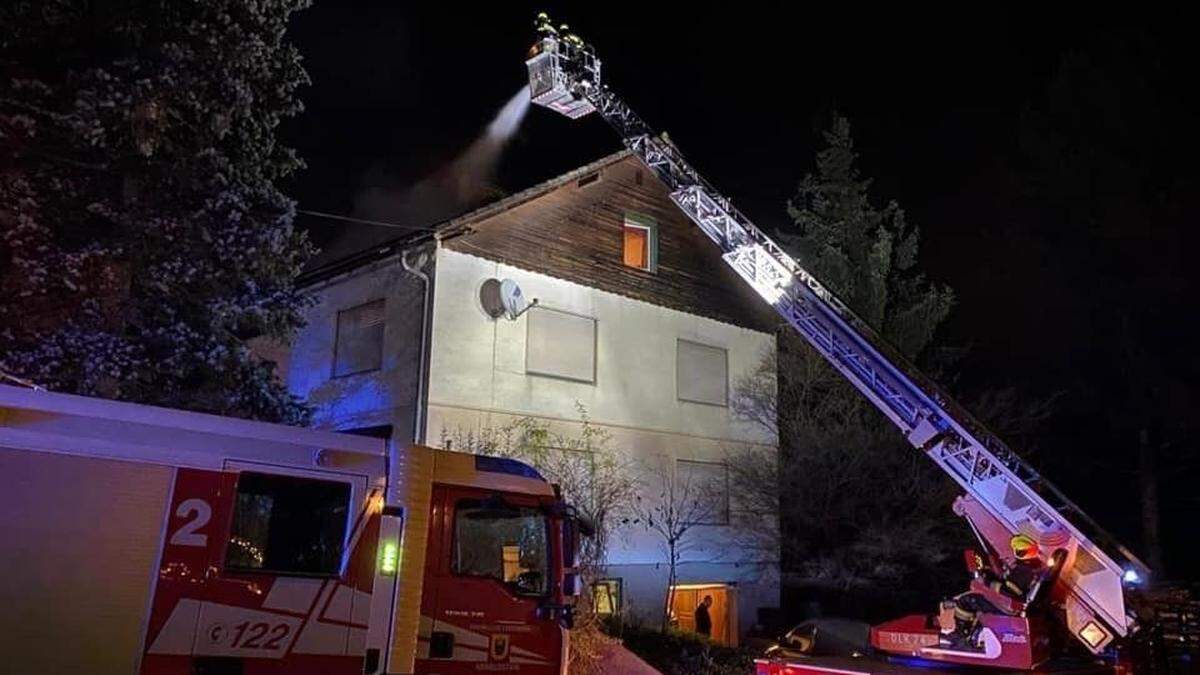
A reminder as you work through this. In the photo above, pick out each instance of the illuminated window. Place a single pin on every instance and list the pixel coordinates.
(288, 525)
(606, 596)
(705, 486)
(358, 345)
(701, 373)
(640, 242)
(560, 344)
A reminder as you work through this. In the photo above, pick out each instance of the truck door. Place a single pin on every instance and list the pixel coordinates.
(488, 586)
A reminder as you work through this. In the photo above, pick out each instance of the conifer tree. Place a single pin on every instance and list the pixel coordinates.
(857, 506)
(143, 234)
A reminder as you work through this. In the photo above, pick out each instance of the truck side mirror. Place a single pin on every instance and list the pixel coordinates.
(573, 527)
(572, 584)
(570, 543)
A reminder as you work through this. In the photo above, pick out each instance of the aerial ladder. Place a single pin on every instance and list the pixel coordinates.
(1003, 496)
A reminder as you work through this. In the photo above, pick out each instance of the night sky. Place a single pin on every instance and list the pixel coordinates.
(1099, 312)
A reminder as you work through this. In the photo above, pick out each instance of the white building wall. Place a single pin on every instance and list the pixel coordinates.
(479, 363)
(383, 396)
(478, 380)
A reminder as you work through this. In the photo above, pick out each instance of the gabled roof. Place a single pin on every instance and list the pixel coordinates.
(453, 226)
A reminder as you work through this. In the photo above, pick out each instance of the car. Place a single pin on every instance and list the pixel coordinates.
(823, 637)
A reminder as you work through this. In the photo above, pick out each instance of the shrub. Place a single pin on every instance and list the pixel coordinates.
(678, 653)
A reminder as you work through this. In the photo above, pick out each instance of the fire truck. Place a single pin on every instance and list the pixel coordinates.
(139, 539)
(1080, 594)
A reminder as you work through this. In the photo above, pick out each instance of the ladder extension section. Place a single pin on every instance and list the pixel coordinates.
(564, 76)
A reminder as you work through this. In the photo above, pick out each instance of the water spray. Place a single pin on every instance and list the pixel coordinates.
(509, 119)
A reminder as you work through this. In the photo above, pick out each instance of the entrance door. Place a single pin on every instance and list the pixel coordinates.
(488, 580)
(685, 598)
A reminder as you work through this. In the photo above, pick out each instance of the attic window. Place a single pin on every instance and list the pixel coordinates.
(640, 238)
(588, 179)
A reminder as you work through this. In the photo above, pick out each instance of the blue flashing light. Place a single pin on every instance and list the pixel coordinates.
(1131, 576)
(506, 465)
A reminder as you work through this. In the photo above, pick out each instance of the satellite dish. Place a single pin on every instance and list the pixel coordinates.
(503, 298)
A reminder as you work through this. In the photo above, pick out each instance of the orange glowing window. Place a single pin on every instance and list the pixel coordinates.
(637, 246)
(640, 245)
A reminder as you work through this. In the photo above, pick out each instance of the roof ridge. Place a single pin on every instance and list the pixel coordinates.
(449, 226)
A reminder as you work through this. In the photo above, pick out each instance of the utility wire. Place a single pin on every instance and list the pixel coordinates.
(334, 216)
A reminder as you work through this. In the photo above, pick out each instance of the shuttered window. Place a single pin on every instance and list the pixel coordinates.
(707, 485)
(560, 344)
(358, 346)
(701, 373)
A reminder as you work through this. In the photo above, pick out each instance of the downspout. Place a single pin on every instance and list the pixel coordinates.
(419, 407)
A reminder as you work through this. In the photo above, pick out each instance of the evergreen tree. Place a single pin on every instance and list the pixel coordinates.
(858, 507)
(143, 235)
(866, 255)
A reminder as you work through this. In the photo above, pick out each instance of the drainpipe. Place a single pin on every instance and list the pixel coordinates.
(414, 268)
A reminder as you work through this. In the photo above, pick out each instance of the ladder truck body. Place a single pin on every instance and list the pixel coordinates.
(1002, 494)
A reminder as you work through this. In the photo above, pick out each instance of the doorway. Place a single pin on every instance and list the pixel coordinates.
(685, 598)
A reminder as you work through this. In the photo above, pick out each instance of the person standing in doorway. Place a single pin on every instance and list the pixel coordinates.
(703, 620)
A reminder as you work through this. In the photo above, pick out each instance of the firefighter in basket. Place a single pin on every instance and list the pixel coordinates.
(1006, 593)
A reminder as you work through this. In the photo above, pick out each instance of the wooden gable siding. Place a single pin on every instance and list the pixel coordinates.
(576, 233)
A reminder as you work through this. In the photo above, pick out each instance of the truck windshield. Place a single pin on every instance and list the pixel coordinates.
(508, 544)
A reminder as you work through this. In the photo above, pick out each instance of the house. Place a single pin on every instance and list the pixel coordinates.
(636, 319)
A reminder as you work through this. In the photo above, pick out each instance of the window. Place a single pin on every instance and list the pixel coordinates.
(504, 543)
(358, 346)
(606, 596)
(288, 525)
(560, 344)
(706, 486)
(641, 242)
(701, 373)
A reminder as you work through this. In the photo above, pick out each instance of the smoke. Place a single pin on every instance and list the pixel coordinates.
(466, 181)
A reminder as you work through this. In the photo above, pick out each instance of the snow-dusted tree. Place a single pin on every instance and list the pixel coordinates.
(143, 235)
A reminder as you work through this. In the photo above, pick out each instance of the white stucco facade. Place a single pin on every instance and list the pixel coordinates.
(478, 379)
(478, 363)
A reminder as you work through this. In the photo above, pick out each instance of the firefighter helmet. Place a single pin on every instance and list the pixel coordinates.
(1023, 547)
